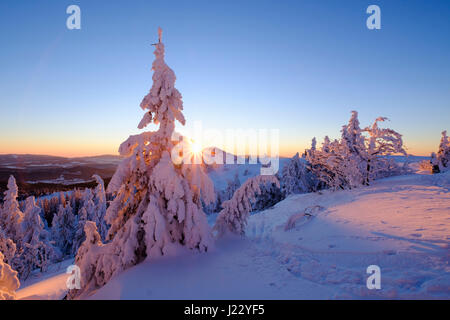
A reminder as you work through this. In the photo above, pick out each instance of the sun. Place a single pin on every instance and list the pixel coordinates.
(196, 148)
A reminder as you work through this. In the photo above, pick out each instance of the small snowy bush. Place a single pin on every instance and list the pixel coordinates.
(235, 212)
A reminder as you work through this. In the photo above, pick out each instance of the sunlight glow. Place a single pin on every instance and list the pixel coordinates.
(196, 148)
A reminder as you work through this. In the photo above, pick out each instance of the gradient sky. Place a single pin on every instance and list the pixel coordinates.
(298, 66)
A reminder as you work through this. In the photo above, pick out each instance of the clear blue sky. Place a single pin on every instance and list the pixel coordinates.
(299, 66)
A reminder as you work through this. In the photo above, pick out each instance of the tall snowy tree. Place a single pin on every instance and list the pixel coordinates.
(89, 205)
(326, 144)
(79, 236)
(63, 229)
(10, 215)
(37, 251)
(100, 206)
(9, 282)
(158, 205)
(235, 212)
(354, 155)
(443, 155)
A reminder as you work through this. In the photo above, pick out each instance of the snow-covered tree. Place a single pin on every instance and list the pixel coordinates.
(79, 235)
(270, 195)
(360, 156)
(235, 212)
(382, 143)
(313, 144)
(10, 215)
(100, 206)
(326, 144)
(36, 250)
(443, 155)
(9, 282)
(158, 204)
(91, 261)
(89, 205)
(296, 177)
(353, 151)
(63, 229)
(7, 247)
(434, 163)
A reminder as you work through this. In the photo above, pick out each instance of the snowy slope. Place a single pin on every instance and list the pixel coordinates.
(400, 224)
(50, 285)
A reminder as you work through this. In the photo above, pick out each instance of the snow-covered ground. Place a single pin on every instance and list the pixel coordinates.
(50, 285)
(400, 224)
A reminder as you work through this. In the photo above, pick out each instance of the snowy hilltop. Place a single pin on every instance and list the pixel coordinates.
(310, 246)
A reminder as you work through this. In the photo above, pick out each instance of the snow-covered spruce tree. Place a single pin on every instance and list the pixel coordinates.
(10, 214)
(89, 256)
(313, 144)
(443, 155)
(296, 177)
(79, 235)
(89, 205)
(36, 250)
(63, 229)
(354, 153)
(9, 282)
(158, 205)
(326, 144)
(100, 206)
(235, 212)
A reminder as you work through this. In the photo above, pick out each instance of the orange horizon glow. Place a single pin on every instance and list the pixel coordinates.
(72, 150)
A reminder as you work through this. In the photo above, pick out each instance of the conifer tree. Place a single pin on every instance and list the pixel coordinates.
(158, 204)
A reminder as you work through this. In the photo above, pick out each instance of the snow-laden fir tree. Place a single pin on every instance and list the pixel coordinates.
(63, 229)
(313, 144)
(79, 235)
(158, 205)
(9, 282)
(100, 206)
(10, 214)
(89, 205)
(36, 250)
(326, 144)
(353, 151)
(296, 177)
(235, 212)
